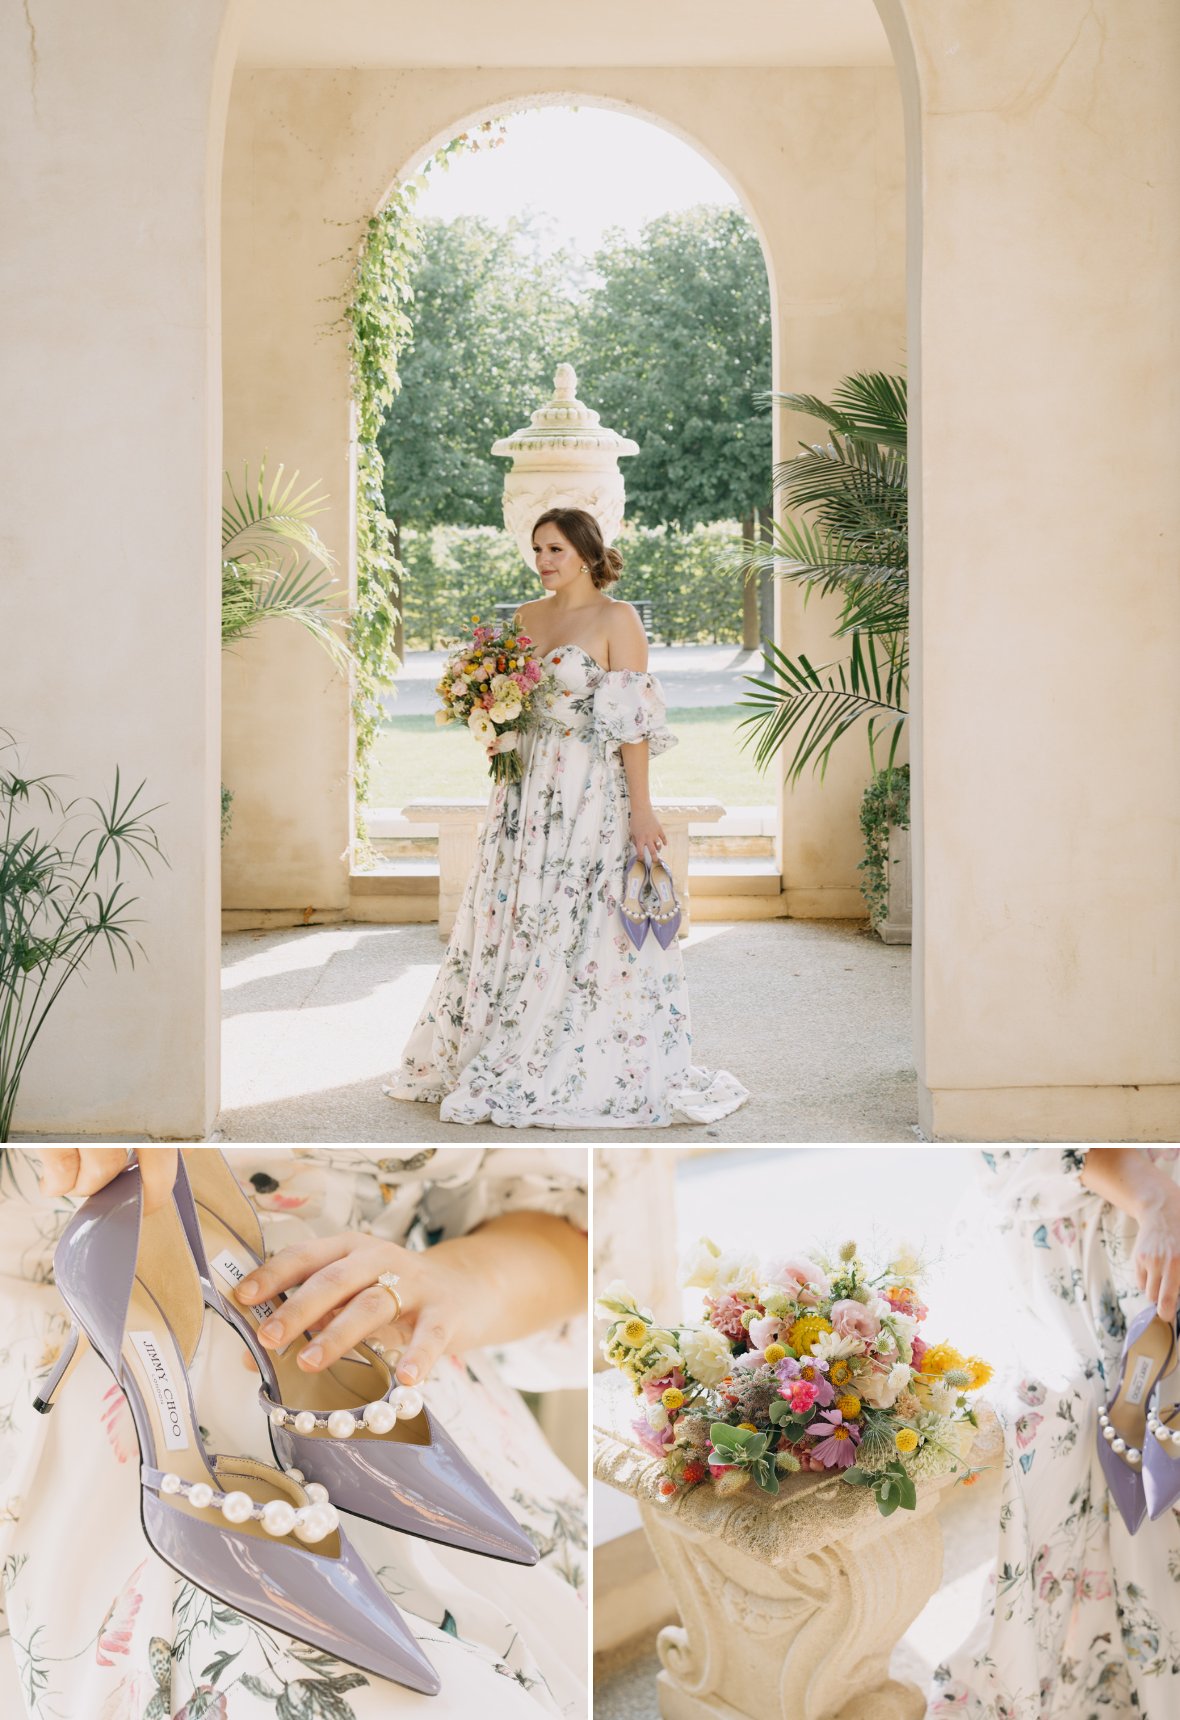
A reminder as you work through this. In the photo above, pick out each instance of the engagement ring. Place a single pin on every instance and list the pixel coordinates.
(389, 1281)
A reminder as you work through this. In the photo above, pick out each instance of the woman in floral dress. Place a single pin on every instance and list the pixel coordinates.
(544, 1012)
(95, 1626)
(1083, 1619)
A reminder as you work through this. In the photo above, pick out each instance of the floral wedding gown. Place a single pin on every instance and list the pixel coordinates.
(543, 1012)
(93, 1626)
(1082, 1620)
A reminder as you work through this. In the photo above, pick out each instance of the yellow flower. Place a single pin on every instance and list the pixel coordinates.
(941, 1359)
(839, 1373)
(980, 1372)
(774, 1352)
(906, 1439)
(806, 1330)
(848, 1406)
(475, 620)
(673, 1398)
(633, 1331)
(747, 1426)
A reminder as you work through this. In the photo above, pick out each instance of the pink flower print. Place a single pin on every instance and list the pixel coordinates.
(125, 1701)
(1031, 1392)
(1093, 1586)
(116, 1422)
(1026, 1429)
(118, 1627)
(1064, 1230)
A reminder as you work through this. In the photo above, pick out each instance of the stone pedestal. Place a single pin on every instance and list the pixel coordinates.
(791, 1606)
(898, 925)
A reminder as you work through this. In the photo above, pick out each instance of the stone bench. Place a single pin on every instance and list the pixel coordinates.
(459, 821)
(791, 1605)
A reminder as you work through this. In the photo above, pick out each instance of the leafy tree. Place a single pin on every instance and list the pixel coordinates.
(492, 319)
(674, 344)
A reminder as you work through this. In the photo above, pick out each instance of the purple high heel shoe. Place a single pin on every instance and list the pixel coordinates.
(665, 915)
(1161, 1449)
(256, 1539)
(635, 917)
(373, 1444)
(1148, 1353)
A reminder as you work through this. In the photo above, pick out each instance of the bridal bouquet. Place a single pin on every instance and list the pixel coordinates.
(801, 1363)
(491, 683)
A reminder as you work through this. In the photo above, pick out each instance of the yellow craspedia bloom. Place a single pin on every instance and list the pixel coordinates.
(979, 1372)
(806, 1330)
(633, 1331)
(906, 1439)
(839, 1373)
(849, 1406)
(673, 1398)
(748, 1426)
(774, 1353)
(941, 1359)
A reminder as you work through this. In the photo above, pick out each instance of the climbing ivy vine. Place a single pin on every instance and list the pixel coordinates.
(380, 328)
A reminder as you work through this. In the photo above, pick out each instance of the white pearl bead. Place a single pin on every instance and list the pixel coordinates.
(200, 1495)
(317, 1492)
(1108, 1433)
(1174, 1435)
(330, 1517)
(236, 1507)
(1118, 1446)
(1134, 1455)
(296, 1474)
(278, 1416)
(341, 1425)
(380, 1417)
(278, 1517)
(305, 1422)
(170, 1483)
(407, 1402)
(312, 1523)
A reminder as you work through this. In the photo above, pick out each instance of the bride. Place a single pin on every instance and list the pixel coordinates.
(548, 1010)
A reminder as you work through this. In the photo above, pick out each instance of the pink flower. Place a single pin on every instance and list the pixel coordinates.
(725, 1315)
(1026, 1428)
(656, 1388)
(117, 1423)
(794, 1273)
(802, 1395)
(853, 1320)
(650, 1440)
(919, 1348)
(118, 1627)
(838, 1440)
(765, 1331)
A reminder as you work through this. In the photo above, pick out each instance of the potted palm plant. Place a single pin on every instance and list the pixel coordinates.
(845, 531)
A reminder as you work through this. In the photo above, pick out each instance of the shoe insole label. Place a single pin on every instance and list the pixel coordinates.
(172, 1418)
(235, 1268)
(1137, 1384)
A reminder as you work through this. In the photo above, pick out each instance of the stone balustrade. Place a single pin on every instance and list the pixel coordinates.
(790, 1605)
(459, 822)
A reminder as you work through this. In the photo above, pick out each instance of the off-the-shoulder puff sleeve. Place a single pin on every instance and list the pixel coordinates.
(629, 705)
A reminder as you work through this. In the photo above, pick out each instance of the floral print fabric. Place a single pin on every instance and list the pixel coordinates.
(94, 1626)
(543, 1012)
(1083, 1619)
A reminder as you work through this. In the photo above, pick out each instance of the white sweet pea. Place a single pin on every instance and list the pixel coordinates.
(706, 1354)
(698, 1268)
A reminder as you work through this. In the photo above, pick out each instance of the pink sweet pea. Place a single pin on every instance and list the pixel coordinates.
(853, 1320)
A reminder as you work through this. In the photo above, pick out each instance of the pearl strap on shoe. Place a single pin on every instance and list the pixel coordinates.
(1130, 1454)
(308, 1523)
(1165, 1434)
(402, 1404)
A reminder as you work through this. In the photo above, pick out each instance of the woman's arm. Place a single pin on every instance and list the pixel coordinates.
(627, 646)
(1126, 1178)
(514, 1275)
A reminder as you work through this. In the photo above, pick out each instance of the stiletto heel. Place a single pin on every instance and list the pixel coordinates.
(665, 916)
(72, 1351)
(631, 909)
(242, 1531)
(374, 1444)
(1148, 1353)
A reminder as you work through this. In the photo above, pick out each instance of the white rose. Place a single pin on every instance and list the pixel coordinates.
(481, 726)
(503, 686)
(706, 1355)
(698, 1268)
(737, 1273)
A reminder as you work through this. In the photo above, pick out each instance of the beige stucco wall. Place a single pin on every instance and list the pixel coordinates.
(309, 154)
(112, 121)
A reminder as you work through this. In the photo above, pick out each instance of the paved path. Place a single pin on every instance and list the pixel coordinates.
(813, 1016)
(692, 675)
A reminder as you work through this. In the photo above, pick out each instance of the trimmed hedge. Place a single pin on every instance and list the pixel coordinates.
(453, 572)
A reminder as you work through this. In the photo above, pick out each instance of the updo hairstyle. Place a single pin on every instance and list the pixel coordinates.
(584, 533)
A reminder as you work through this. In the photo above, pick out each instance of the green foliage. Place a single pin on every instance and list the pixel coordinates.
(745, 1450)
(674, 349)
(61, 895)
(855, 543)
(892, 1487)
(263, 574)
(452, 572)
(492, 320)
(886, 802)
(227, 811)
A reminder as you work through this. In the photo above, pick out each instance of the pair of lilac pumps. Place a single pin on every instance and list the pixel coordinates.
(266, 1541)
(1138, 1435)
(649, 902)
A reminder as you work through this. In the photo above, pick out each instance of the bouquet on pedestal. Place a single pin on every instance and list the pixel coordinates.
(492, 683)
(801, 1363)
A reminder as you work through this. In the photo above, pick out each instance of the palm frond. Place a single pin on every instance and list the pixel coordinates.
(872, 405)
(253, 519)
(818, 706)
(300, 592)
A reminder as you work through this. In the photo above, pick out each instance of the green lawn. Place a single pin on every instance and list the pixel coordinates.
(414, 758)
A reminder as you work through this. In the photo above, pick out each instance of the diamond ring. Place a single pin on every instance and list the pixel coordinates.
(389, 1281)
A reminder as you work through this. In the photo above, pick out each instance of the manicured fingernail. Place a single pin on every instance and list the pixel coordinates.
(247, 1290)
(270, 1331)
(407, 1372)
(312, 1356)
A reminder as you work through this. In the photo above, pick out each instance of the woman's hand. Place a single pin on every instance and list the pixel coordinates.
(647, 832)
(1157, 1248)
(509, 1277)
(82, 1171)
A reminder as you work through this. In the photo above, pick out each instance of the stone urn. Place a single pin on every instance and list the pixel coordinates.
(565, 457)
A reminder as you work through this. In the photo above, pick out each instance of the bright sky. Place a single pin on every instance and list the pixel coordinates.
(583, 170)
